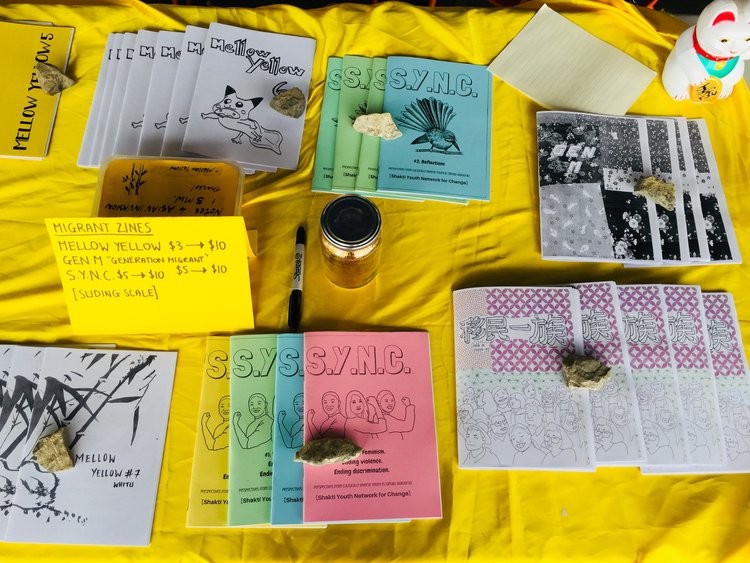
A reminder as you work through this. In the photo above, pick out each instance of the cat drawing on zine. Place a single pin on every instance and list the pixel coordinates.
(708, 58)
(232, 113)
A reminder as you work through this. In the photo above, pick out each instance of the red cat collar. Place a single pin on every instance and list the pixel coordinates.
(704, 54)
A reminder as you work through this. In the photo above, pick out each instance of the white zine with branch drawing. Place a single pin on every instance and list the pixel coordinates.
(113, 406)
(240, 73)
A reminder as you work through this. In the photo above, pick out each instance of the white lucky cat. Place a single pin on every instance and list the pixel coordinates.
(708, 58)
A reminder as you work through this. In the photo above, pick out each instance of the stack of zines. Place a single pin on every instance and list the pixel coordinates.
(112, 407)
(589, 166)
(443, 109)
(202, 92)
(676, 401)
(257, 410)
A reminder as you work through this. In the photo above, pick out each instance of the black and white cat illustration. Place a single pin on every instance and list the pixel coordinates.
(232, 113)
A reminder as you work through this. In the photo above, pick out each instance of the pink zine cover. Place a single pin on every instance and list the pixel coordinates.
(376, 389)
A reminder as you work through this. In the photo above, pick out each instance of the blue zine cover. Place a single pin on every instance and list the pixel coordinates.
(288, 432)
(443, 110)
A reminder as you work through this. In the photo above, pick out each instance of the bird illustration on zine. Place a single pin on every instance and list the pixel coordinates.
(431, 117)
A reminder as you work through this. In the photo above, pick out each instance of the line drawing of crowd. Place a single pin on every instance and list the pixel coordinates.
(361, 417)
(734, 409)
(536, 427)
(701, 428)
(616, 434)
(662, 432)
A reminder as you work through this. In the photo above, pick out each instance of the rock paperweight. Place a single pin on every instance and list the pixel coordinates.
(660, 192)
(51, 79)
(328, 450)
(377, 125)
(585, 371)
(52, 453)
(289, 102)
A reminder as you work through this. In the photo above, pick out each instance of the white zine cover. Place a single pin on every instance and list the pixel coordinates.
(16, 438)
(618, 436)
(114, 407)
(240, 73)
(166, 57)
(182, 93)
(136, 90)
(108, 63)
(105, 142)
(722, 243)
(645, 326)
(514, 408)
(732, 380)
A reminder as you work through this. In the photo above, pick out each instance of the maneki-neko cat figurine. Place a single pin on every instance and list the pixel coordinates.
(708, 58)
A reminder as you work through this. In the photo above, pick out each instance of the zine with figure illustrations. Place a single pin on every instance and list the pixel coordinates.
(209, 483)
(374, 388)
(618, 436)
(251, 393)
(646, 328)
(288, 431)
(240, 73)
(113, 407)
(443, 110)
(514, 409)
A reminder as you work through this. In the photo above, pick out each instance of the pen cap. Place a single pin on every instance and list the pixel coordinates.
(350, 235)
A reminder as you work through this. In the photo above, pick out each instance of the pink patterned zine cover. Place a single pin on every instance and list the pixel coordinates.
(645, 324)
(732, 381)
(514, 409)
(688, 339)
(374, 388)
(618, 437)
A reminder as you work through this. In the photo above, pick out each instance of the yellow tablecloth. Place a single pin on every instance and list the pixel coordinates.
(429, 250)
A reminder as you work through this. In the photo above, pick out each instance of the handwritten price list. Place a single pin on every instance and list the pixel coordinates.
(162, 274)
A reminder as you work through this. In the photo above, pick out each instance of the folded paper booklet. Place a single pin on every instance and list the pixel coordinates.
(618, 436)
(652, 364)
(28, 113)
(374, 388)
(590, 167)
(231, 115)
(514, 408)
(209, 483)
(113, 407)
(251, 392)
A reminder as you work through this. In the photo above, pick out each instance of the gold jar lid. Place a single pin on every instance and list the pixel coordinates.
(350, 222)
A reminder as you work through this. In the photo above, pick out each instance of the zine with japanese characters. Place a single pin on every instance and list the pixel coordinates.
(514, 408)
(240, 73)
(113, 407)
(374, 388)
(652, 365)
(732, 380)
(618, 436)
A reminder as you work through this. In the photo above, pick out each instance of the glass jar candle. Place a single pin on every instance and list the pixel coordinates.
(350, 239)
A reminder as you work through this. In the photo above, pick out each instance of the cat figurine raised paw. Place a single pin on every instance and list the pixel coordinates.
(708, 58)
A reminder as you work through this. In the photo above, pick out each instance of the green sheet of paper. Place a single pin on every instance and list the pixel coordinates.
(369, 151)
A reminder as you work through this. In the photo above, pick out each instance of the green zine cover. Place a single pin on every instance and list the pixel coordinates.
(444, 111)
(252, 384)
